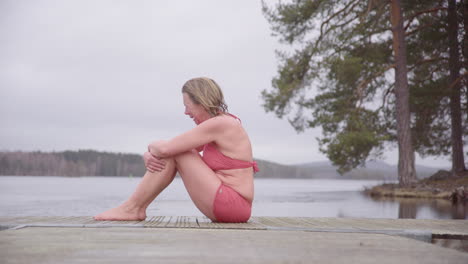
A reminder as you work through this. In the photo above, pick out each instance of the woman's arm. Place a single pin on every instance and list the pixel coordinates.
(202, 134)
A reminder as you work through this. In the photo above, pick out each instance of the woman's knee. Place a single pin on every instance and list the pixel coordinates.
(170, 164)
(169, 168)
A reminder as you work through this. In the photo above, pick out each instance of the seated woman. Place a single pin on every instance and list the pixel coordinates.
(220, 183)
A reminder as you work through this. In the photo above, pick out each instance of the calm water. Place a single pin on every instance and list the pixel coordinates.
(61, 196)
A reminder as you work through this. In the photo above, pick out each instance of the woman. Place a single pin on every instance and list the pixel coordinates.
(220, 182)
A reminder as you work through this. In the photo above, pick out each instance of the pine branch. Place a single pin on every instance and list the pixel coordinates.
(413, 17)
(329, 20)
(365, 82)
(427, 25)
(387, 92)
(370, 5)
(436, 70)
(457, 80)
(424, 61)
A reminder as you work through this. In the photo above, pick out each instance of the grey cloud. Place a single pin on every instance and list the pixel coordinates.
(107, 74)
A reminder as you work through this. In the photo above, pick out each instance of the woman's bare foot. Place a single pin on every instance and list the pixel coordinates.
(122, 213)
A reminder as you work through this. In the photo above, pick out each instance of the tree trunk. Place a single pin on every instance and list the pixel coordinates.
(465, 50)
(458, 162)
(406, 171)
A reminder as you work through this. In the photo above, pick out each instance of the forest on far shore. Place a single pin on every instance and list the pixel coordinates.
(71, 163)
(94, 163)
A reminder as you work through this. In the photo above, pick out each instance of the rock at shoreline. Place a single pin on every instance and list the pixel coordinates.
(441, 185)
(440, 175)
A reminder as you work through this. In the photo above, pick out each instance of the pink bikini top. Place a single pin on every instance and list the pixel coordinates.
(218, 161)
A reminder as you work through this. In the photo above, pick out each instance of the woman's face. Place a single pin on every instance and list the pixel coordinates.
(195, 111)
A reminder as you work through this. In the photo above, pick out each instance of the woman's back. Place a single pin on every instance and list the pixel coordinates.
(230, 156)
(233, 141)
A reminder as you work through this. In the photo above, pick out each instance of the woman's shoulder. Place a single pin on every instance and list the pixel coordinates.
(224, 119)
(228, 120)
(220, 122)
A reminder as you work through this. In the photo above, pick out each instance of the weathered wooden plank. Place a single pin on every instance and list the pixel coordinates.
(439, 228)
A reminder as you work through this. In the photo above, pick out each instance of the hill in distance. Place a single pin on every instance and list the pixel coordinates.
(374, 170)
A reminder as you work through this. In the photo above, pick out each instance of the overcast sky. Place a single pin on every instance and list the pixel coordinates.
(107, 75)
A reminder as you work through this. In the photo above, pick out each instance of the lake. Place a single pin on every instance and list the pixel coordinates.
(87, 196)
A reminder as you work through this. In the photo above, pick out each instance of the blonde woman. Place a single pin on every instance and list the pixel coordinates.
(219, 182)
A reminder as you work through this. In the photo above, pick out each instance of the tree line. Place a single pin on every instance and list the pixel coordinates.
(95, 163)
(71, 163)
(372, 74)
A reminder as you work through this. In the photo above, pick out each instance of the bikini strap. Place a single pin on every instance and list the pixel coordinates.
(234, 117)
(255, 167)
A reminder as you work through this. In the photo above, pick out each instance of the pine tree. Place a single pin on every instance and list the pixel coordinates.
(344, 70)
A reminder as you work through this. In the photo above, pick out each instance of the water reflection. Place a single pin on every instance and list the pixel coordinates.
(412, 208)
(61, 196)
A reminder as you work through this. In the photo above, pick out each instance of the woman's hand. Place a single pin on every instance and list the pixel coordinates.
(152, 163)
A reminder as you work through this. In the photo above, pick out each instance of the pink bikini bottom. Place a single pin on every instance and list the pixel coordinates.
(230, 207)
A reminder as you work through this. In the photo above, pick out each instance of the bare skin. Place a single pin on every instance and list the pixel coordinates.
(134, 209)
(199, 180)
(180, 154)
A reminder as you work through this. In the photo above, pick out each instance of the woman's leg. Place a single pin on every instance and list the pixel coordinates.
(199, 180)
(147, 190)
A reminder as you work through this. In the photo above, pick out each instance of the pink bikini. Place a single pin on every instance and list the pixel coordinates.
(228, 206)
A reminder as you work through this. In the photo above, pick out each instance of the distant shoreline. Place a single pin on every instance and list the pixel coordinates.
(84, 163)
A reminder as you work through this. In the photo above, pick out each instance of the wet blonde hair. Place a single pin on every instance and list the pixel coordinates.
(206, 92)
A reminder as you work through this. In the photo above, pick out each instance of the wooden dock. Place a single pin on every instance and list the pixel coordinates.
(185, 239)
(447, 229)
